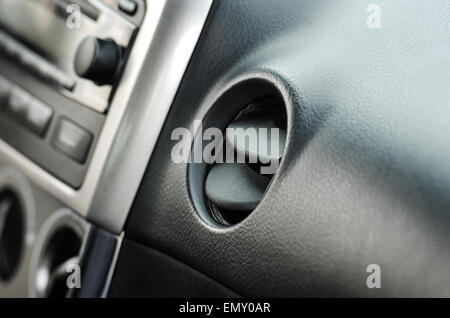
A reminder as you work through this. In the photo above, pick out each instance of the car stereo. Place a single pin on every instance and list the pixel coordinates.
(59, 68)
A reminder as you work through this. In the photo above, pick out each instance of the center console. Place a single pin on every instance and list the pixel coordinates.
(85, 87)
(58, 79)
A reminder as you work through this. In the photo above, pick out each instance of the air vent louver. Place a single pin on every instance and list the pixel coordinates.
(235, 189)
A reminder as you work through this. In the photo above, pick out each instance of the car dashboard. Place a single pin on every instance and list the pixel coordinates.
(215, 148)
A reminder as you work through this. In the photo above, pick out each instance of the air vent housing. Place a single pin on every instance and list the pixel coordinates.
(234, 189)
(230, 186)
(57, 250)
(12, 231)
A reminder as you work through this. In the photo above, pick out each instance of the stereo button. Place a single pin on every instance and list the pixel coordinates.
(128, 6)
(38, 117)
(18, 103)
(72, 140)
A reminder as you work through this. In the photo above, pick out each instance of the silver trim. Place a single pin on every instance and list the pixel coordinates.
(174, 38)
(160, 56)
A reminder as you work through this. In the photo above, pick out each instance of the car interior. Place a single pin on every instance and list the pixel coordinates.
(224, 148)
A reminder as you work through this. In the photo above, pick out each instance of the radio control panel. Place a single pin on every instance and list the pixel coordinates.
(59, 70)
(48, 42)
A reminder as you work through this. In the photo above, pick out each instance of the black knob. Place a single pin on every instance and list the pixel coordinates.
(98, 60)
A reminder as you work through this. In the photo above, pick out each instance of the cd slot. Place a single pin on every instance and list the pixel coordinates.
(34, 63)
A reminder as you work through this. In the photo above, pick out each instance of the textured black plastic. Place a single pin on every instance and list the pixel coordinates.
(365, 177)
(95, 264)
(154, 274)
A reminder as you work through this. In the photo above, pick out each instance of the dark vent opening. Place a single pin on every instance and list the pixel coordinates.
(252, 116)
(12, 231)
(61, 251)
(235, 189)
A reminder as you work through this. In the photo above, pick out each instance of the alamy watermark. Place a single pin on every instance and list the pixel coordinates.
(73, 280)
(73, 21)
(254, 145)
(373, 20)
(374, 279)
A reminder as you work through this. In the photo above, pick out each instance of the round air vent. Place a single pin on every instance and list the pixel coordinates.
(241, 141)
(11, 233)
(61, 251)
(253, 147)
(58, 249)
